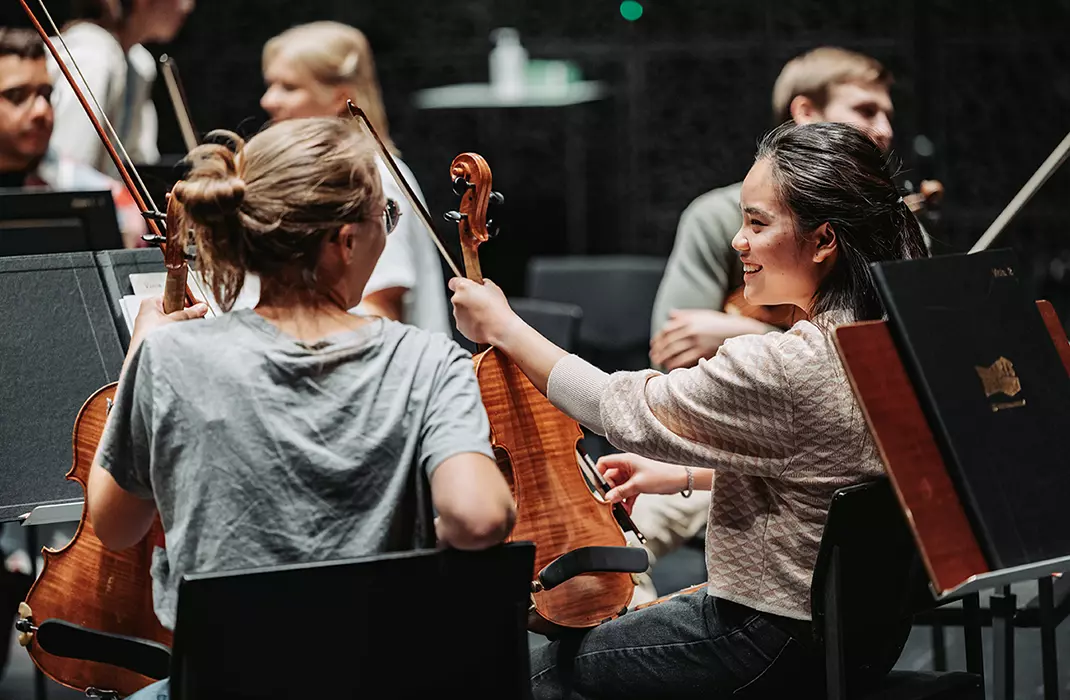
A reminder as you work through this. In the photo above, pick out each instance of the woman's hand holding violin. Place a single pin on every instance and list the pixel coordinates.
(150, 316)
(482, 311)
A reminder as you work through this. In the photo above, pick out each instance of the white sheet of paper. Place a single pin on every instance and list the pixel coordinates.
(148, 284)
(151, 284)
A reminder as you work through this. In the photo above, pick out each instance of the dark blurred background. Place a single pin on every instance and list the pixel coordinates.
(985, 83)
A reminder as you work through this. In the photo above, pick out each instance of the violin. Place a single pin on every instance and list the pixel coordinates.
(536, 447)
(582, 557)
(928, 196)
(84, 586)
(784, 316)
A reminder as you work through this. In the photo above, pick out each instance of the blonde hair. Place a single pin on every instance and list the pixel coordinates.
(335, 54)
(266, 206)
(813, 73)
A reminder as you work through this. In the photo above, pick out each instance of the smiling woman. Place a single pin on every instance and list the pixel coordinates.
(772, 414)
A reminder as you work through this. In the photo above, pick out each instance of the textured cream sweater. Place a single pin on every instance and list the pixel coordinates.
(775, 417)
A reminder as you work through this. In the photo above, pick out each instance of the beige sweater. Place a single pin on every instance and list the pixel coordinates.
(775, 417)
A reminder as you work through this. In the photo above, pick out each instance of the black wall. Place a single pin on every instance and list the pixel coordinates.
(987, 82)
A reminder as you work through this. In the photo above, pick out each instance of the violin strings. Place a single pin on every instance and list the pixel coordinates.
(414, 201)
(103, 114)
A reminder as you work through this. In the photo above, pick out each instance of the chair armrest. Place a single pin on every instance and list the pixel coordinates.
(67, 640)
(587, 560)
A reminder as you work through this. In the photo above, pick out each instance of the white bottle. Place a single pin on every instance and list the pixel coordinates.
(508, 64)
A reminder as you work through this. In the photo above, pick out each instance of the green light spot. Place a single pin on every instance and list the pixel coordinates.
(631, 10)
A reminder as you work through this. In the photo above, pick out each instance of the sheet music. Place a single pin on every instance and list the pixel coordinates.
(151, 284)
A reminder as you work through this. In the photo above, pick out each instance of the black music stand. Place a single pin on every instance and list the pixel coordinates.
(116, 266)
(947, 541)
(58, 347)
(38, 222)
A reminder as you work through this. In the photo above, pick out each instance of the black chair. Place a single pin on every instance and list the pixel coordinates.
(868, 584)
(428, 623)
(559, 322)
(616, 294)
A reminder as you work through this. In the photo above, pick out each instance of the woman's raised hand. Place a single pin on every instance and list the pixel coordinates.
(482, 311)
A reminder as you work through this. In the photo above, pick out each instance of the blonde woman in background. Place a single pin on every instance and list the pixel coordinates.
(311, 70)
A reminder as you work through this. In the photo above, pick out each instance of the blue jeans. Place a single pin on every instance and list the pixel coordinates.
(161, 690)
(690, 646)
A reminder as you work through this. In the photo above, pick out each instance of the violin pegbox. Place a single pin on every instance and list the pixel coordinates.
(472, 179)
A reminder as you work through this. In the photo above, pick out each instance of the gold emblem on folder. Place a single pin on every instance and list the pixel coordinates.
(999, 378)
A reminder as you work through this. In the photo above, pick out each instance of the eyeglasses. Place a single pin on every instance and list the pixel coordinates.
(391, 215)
(23, 95)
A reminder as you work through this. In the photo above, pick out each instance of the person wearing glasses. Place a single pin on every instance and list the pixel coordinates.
(310, 71)
(294, 431)
(28, 159)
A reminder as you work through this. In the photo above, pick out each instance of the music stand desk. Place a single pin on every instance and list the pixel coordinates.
(916, 469)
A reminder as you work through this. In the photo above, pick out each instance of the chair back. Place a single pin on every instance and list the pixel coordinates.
(616, 293)
(558, 322)
(868, 583)
(430, 623)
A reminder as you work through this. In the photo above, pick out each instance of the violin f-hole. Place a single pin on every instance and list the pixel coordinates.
(505, 466)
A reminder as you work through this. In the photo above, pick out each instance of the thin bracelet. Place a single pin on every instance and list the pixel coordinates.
(686, 493)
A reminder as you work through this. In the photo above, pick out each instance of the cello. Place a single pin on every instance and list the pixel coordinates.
(87, 598)
(583, 561)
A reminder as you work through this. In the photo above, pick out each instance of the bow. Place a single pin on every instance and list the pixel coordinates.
(176, 292)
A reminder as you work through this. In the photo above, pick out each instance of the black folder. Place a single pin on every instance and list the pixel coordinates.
(995, 392)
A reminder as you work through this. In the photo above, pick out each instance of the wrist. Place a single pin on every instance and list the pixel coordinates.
(503, 336)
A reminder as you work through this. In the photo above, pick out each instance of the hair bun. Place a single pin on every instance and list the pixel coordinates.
(213, 190)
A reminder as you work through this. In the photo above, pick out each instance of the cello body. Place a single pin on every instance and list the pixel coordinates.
(535, 446)
(86, 584)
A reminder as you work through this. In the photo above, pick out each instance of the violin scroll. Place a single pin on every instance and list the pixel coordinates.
(928, 196)
(472, 182)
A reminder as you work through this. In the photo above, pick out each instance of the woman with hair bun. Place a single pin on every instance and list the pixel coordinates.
(295, 431)
(311, 70)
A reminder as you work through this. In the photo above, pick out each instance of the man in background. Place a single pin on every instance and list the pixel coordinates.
(26, 121)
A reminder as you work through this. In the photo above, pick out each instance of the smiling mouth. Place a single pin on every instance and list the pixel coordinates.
(750, 268)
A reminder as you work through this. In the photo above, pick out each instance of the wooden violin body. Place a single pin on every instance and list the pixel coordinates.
(535, 445)
(779, 315)
(86, 584)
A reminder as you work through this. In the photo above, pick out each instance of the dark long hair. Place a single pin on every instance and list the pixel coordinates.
(834, 173)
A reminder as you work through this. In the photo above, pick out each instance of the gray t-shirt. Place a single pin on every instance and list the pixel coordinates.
(262, 450)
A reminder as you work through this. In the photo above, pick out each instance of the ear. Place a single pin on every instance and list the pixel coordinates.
(346, 240)
(342, 93)
(825, 243)
(804, 110)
